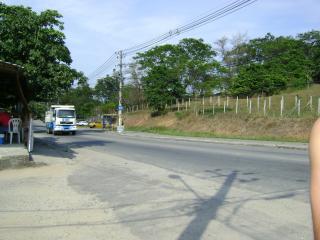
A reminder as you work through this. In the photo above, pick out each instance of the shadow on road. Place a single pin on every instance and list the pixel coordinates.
(207, 210)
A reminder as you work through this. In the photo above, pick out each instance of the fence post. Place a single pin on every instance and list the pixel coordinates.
(311, 98)
(237, 105)
(281, 106)
(250, 106)
(186, 106)
(270, 103)
(296, 101)
(299, 107)
(189, 102)
(247, 102)
(227, 101)
(224, 106)
(258, 104)
(202, 106)
(178, 106)
(265, 107)
(213, 108)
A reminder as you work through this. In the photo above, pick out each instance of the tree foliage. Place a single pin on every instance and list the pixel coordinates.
(271, 64)
(107, 88)
(172, 71)
(37, 43)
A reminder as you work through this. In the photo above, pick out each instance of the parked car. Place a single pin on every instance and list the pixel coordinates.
(95, 124)
(82, 123)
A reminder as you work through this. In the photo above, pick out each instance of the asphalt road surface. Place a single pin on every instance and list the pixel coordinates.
(170, 189)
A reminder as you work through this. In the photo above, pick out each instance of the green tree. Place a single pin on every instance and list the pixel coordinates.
(82, 97)
(162, 81)
(270, 65)
(107, 89)
(199, 66)
(311, 42)
(37, 43)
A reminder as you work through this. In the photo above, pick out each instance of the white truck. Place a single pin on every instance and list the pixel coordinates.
(61, 118)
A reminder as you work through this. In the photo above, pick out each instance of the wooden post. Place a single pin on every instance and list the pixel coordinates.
(247, 102)
(296, 101)
(281, 106)
(265, 107)
(258, 103)
(202, 106)
(270, 103)
(213, 108)
(299, 107)
(237, 105)
(224, 106)
(250, 106)
(310, 101)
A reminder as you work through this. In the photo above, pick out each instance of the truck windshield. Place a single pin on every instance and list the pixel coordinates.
(66, 113)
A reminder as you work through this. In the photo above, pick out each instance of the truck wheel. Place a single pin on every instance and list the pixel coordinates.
(73, 132)
(54, 132)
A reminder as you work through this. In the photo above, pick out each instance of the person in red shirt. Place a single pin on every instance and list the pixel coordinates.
(4, 120)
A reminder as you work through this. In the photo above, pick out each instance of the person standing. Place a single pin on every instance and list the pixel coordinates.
(4, 120)
(314, 153)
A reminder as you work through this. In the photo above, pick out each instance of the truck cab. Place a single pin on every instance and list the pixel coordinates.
(61, 118)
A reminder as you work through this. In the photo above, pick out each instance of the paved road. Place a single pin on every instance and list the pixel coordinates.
(240, 192)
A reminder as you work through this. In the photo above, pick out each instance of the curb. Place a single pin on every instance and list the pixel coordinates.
(284, 145)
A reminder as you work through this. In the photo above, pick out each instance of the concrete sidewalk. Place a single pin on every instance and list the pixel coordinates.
(288, 145)
(37, 202)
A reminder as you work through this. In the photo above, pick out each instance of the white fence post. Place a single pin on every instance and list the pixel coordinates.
(311, 98)
(247, 101)
(270, 103)
(265, 107)
(250, 106)
(299, 107)
(258, 104)
(212, 108)
(202, 105)
(224, 106)
(237, 105)
(281, 106)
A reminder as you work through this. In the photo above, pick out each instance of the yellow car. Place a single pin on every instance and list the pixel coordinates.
(95, 124)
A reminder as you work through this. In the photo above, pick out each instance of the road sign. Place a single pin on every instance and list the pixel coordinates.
(120, 107)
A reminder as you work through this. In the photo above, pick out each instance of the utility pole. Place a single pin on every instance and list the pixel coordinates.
(120, 126)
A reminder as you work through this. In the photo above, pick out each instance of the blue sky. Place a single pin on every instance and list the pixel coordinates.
(95, 29)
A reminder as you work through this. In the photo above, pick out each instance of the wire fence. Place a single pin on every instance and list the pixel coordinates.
(268, 106)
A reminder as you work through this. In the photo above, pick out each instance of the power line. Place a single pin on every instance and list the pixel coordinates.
(222, 12)
(212, 16)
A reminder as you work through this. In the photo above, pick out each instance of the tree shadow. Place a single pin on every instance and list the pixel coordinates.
(207, 210)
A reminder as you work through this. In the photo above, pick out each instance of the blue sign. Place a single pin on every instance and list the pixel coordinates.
(120, 107)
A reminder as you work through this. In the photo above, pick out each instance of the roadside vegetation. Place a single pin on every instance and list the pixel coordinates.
(256, 126)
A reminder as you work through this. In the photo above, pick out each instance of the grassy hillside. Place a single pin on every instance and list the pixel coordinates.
(289, 127)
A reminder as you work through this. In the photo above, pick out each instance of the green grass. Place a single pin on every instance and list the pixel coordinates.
(176, 132)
